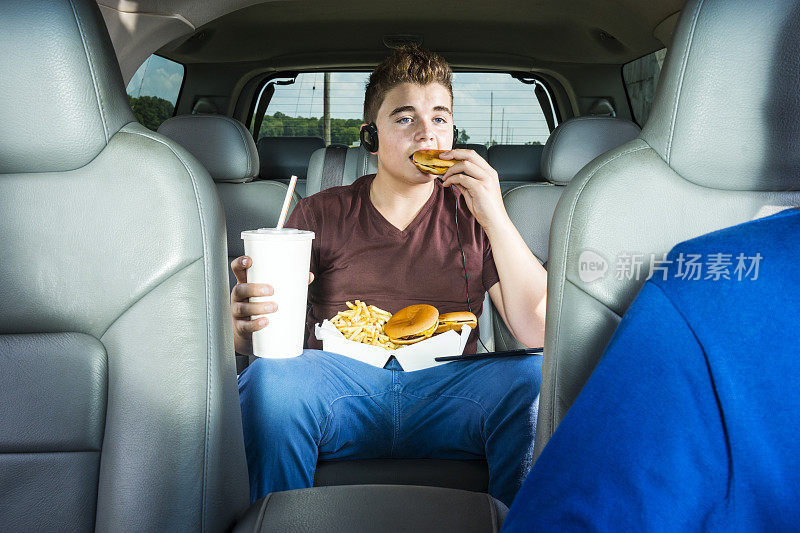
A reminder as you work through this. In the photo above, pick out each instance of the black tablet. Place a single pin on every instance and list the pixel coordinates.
(489, 355)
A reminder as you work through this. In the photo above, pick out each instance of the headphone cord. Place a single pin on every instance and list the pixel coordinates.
(464, 263)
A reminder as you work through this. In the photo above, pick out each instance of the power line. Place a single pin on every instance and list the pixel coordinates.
(491, 114)
(313, 88)
(299, 92)
(146, 64)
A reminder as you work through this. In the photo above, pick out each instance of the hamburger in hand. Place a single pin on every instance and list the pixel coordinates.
(412, 324)
(428, 162)
(448, 321)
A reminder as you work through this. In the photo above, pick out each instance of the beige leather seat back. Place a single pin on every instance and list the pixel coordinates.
(227, 150)
(516, 164)
(572, 145)
(720, 148)
(358, 162)
(282, 157)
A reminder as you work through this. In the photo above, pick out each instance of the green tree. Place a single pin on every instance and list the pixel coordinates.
(463, 138)
(151, 111)
(343, 131)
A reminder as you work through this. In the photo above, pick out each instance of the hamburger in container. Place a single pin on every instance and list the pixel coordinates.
(415, 328)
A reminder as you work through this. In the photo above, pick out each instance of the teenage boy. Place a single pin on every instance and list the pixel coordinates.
(390, 240)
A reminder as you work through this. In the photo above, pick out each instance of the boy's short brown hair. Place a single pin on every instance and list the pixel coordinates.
(408, 64)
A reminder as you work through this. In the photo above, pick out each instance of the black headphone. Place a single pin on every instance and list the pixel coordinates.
(369, 137)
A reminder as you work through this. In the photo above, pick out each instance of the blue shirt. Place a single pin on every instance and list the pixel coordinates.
(691, 419)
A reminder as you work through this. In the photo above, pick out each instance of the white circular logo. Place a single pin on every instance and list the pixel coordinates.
(591, 266)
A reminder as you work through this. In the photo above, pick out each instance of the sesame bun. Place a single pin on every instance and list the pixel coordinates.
(428, 162)
(448, 321)
(412, 324)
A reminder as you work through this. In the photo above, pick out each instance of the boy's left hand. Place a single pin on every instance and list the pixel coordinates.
(479, 183)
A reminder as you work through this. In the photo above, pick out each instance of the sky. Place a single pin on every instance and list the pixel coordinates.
(515, 115)
(157, 77)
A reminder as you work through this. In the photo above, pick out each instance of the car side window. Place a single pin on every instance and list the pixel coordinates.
(641, 78)
(154, 89)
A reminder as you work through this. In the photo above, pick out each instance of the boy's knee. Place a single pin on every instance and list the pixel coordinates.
(271, 390)
(530, 369)
(518, 380)
(267, 370)
(279, 394)
(523, 372)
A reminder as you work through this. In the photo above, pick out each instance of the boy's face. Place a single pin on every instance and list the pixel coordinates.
(412, 117)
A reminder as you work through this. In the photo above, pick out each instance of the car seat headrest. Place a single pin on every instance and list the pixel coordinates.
(62, 95)
(223, 145)
(577, 141)
(725, 111)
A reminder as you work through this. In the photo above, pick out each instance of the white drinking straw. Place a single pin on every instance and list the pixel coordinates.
(286, 200)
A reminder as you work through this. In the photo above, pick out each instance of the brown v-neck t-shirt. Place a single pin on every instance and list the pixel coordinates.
(358, 254)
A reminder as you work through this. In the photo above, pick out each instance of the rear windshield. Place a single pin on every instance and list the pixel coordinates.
(489, 108)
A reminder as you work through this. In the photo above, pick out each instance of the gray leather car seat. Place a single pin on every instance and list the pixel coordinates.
(516, 164)
(118, 396)
(480, 149)
(225, 147)
(358, 162)
(572, 145)
(282, 157)
(117, 390)
(376, 508)
(719, 148)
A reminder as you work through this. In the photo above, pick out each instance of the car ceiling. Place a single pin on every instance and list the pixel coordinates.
(544, 31)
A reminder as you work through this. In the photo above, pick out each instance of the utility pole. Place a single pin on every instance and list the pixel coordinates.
(491, 115)
(503, 127)
(326, 109)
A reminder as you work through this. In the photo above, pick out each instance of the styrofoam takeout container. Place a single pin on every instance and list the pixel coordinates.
(417, 356)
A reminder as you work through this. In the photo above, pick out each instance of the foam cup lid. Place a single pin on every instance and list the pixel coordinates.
(271, 233)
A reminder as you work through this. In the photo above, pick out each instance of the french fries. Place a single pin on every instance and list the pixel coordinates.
(364, 323)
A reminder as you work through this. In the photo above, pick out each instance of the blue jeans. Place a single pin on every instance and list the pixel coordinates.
(327, 406)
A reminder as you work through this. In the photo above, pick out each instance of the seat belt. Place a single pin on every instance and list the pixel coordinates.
(333, 167)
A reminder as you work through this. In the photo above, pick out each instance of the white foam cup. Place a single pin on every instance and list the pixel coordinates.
(281, 258)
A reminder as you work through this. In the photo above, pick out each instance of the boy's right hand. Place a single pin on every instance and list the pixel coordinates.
(242, 309)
